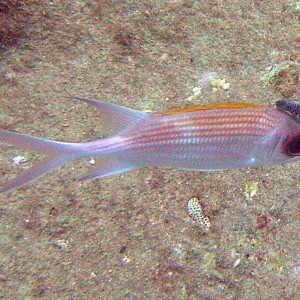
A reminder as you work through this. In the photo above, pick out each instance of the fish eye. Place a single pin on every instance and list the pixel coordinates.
(293, 147)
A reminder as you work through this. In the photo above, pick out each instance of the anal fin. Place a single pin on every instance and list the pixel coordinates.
(107, 167)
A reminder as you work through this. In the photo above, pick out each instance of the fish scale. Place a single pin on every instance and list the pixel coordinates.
(195, 131)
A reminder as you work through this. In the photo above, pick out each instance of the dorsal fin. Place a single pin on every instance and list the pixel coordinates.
(222, 105)
(115, 117)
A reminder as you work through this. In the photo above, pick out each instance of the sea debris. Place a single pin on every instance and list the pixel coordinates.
(296, 7)
(92, 161)
(195, 212)
(283, 78)
(262, 221)
(125, 260)
(214, 80)
(237, 262)
(251, 190)
(220, 83)
(17, 160)
(197, 91)
(208, 78)
(61, 244)
(272, 71)
(93, 275)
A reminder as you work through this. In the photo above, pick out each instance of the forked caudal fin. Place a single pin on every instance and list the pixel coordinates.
(58, 154)
(116, 119)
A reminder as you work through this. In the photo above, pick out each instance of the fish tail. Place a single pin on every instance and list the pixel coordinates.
(58, 154)
(116, 119)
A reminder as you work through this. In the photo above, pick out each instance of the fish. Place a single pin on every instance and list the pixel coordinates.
(211, 137)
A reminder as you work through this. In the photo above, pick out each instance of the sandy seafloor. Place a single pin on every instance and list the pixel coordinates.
(129, 236)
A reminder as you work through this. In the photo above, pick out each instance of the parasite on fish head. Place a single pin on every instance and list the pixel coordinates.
(291, 108)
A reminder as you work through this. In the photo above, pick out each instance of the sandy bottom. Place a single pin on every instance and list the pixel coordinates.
(129, 236)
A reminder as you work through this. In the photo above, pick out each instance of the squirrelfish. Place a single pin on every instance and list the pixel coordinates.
(202, 138)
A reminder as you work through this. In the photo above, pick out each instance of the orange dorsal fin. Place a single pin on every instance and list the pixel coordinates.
(210, 106)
